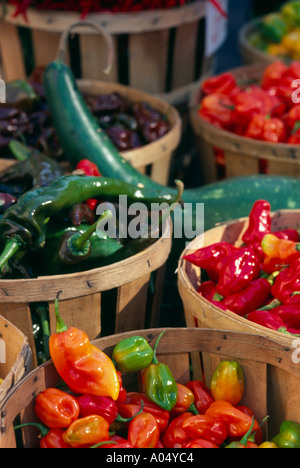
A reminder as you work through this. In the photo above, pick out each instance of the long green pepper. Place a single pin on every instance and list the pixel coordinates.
(158, 382)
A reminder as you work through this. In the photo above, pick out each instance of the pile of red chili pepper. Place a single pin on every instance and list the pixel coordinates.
(95, 410)
(258, 280)
(93, 6)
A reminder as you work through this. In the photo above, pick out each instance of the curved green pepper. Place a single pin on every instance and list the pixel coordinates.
(132, 354)
(158, 382)
(289, 435)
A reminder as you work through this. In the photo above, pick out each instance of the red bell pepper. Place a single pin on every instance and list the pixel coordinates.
(240, 269)
(55, 408)
(143, 431)
(133, 404)
(203, 426)
(175, 436)
(224, 83)
(202, 395)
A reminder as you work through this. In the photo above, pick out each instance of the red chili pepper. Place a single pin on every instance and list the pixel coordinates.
(101, 406)
(212, 257)
(90, 169)
(143, 431)
(288, 234)
(202, 395)
(207, 289)
(250, 298)
(254, 100)
(267, 319)
(175, 436)
(259, 222)
(287, 283)
(237, 422)
(185, 401)
(224, 83)
(273, 73)
(49, 438)
(55, 408)
(240, 269)
(203, 426)
(133, 404)
(289, 313)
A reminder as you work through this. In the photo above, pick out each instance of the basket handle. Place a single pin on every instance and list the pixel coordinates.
(106, 35)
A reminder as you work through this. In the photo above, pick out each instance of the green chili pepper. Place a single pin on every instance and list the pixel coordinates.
(289, 435)
(273, 27)
(132, 354)
(24, 225)
(158, 383)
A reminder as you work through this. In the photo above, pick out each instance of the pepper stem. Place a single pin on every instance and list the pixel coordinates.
(12, 246)
(271, 305)
(154, 359)
(43, 430)
(105, 442)
(60, 325)
(80, 241)
(124, 420)
(245, 438)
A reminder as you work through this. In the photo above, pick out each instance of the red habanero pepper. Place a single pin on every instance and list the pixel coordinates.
(49, 438)
(250, 298)
(117, 442)
(237, 422)
(259, 222)
(224, 83)
(251, 101)
(267, 129)
(294, 138)
(143, 431)
(175, 436)
(86, 431)
(55, 408)
(200, 443)
(123, 392)
(212, 257)
(82, 366)
(202, 395)
(257, 436)
(185, 401)
(133, 404)
(217, 109)
(213, 430)
(240, 269)
(273, 73)
(287, 283)
(101, 406)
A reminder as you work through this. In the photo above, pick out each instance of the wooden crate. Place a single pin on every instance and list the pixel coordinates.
(178, 348)
(15, 356)
(158, 51)
(242, 155)
(154, 158)
(83, 294)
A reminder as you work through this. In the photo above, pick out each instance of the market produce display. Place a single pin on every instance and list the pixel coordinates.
(277, 33)
(258, 280)
(94, 410)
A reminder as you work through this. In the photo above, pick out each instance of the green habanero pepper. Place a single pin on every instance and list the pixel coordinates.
(158, 383)
(289, 435)
(132, 354)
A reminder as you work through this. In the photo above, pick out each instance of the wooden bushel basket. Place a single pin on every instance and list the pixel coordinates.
(200, 312)
(249, 53)
(178, 348)
(80, 301)
(242, 155)
(158, 51)
(15, 356)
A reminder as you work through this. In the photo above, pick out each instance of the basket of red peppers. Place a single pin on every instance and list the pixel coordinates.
(135, 390)
(252, 112)
(245, 275)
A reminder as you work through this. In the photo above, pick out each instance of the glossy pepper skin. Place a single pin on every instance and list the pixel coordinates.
(158, 383)
(143, 431)
(83, 367)
(202, 426)
(55, 408)
(286, 283)
(132, 354)
(202, 395)
(289, 435)
(87, 431)
(268, 319)
(259, 222)
(185, 401)
(102, 406)
(224, 83)
(175, 436)
(227, 382)
(49, 438)
(240, 269)
(284, 251)
(243, 443)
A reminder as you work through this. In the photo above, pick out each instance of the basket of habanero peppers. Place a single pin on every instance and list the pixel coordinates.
(244, 275)
(245, 121)
(139, 390)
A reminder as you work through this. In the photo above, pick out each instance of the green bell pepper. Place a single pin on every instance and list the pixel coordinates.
(273, 27)
(290, 13)
(158, 383)
(132, 354)
(289, 435)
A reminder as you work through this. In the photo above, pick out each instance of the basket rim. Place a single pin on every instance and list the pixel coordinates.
(187, 290)
(244, 31)
(235, 143)
(116, 23)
